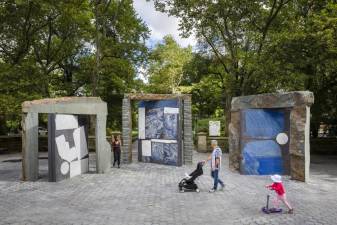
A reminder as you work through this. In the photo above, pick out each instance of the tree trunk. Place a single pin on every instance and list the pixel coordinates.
(98, 52)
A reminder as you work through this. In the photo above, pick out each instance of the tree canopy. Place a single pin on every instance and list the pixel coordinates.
(251, 47)
(98, 47)
(65, 48)
(166, 66)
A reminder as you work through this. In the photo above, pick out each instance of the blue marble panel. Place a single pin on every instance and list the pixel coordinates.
(154, 123)
(170, 130)
(164, 153)
(263, 123)
(160, 125)
(262, 157)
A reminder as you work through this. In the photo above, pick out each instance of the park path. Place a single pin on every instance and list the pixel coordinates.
(141, 194)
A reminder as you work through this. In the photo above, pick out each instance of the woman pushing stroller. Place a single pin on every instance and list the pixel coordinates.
(215, 158)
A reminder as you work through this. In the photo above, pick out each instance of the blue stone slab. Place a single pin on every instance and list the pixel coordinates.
(164, 153)
(262, 157)
(263, 123)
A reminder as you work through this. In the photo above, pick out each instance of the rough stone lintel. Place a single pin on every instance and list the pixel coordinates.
(273, 100)
(67, 105)
(142, 96)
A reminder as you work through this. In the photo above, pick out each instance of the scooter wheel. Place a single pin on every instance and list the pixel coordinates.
(197, 190)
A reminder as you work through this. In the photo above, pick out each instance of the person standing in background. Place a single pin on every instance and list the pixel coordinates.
(116, 148)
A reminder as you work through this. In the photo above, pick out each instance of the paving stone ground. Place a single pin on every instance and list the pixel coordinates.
(147, 194)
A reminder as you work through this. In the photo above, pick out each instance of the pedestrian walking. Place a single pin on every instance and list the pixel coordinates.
(215, 159)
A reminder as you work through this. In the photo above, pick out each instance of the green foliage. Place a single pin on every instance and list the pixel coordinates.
(305, 57)
(66, 48)
(166, 66)
(121, 49)
(250, 47)
(94, 48)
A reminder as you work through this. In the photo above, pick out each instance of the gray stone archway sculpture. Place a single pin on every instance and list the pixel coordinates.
(66, 105)
(297, 104)
(186, 126)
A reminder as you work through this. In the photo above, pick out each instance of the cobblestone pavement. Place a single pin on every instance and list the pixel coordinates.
(141, 193)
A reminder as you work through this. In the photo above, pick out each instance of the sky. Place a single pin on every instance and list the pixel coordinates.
(160, 24)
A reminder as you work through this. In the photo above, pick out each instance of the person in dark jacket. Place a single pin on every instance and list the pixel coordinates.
(116, 148)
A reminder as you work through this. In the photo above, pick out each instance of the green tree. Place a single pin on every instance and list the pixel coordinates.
(47, 49)
(265, 46)
(234, 32)
(119, 38)
(306, 55)
(166, 66)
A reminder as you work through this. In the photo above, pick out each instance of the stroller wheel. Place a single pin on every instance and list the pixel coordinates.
(181, 191)
(197, 190)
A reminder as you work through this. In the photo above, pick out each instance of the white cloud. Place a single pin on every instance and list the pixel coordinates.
(160, 24)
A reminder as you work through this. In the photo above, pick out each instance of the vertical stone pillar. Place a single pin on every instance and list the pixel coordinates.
(103, 150)
(30, 148)
(126, 131)
(234, 141)
(299, 148)
(188, 139)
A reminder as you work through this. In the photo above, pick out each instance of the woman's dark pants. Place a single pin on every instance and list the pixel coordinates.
(117, 158)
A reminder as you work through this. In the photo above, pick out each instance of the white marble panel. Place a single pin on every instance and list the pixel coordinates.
(146, 148)
(141, 123)
(64, 121)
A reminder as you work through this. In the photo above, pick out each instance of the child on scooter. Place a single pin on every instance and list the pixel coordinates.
(277, 186)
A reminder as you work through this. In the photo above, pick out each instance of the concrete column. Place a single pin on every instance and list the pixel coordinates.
(188, 139)
(30, 148)
(307, 145)
(103, 150)
(126, 154)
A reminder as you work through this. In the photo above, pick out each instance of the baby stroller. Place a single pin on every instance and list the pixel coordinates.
(187, 184)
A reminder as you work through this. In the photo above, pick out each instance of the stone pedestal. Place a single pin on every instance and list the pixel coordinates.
(202, 142)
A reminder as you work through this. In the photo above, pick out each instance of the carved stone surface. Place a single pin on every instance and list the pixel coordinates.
(140, 96)
(273, 100)
(298, 103)
(126, 131)
(234, 141)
